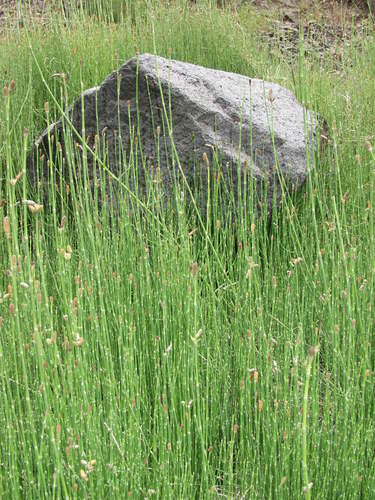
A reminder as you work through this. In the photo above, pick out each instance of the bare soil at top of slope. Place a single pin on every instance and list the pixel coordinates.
(335, 12)
(327, 25)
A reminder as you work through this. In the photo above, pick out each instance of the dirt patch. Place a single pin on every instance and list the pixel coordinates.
(327, 25)
(13, 12)
(293, 11)
(331, 11)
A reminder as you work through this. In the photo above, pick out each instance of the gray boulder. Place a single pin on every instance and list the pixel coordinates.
(255, 129)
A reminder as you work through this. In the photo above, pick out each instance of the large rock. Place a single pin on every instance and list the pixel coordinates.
(257, 128)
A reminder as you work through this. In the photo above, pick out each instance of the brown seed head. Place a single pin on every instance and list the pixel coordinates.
(83, 475)
(62, 223)
(52, 340)
(6, 226)
(313, 350)
(78, 342)
(194, 269)
(205, 159)
(35, 208)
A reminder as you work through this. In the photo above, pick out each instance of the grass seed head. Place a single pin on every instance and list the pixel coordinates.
(83, 475)
(33, 207)
(66, 345)
(283, 481)
(254, 375)
(308, 487)
(168, 350)
(14, 181)
(196, 338)
(52, 340)
(205, 159)
(68, 253)
(194, 269)
(78, 342)
(6, 227)
(313, 350)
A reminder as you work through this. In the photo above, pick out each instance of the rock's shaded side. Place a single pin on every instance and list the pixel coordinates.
(248, 121)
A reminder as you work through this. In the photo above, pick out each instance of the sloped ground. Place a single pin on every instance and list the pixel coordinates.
(12, 12)
(291, 12)
(327, 25)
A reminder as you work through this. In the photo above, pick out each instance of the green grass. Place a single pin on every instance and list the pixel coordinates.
(175, 354)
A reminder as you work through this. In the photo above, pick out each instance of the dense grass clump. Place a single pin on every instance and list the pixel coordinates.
(174, 356)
